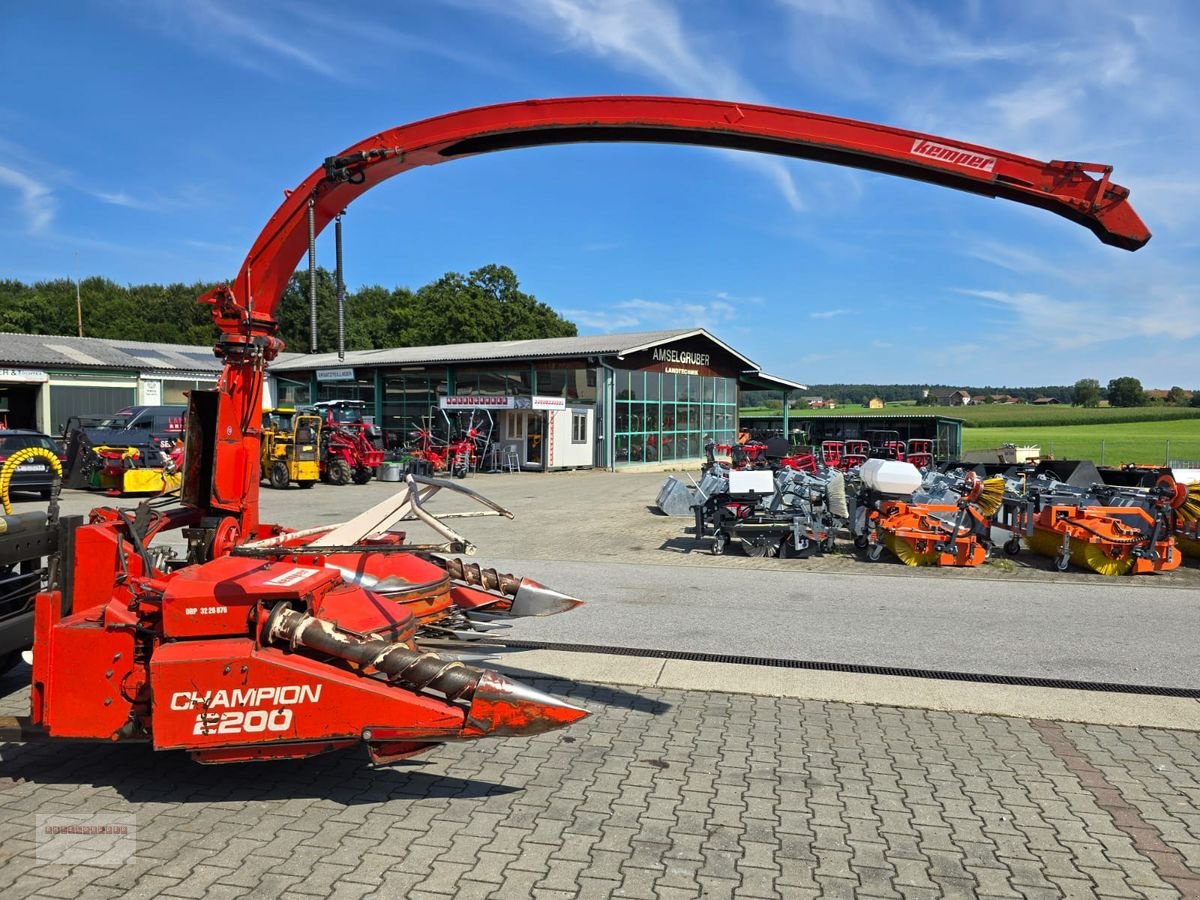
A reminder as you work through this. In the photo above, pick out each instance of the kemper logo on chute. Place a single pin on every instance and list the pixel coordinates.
(955, 155)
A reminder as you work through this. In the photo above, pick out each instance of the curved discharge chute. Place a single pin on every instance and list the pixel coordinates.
(244, 311)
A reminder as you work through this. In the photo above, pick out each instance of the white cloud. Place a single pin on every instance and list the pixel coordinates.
(648, 37)
(602, 320)
(188, 197)
(1163, 314)
(733, 298)
(120, 198)
(254, 42)
(359, 30)
(656, 314)
(37, 202)
(829, 313)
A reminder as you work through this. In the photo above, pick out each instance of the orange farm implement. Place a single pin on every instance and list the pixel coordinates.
(1109, 529)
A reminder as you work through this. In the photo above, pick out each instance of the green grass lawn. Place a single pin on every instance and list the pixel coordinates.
(1111, 443)
(1017, 415)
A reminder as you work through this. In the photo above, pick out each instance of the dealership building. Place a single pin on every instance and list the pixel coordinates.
(645, 399)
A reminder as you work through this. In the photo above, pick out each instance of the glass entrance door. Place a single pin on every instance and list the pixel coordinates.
(534, 446)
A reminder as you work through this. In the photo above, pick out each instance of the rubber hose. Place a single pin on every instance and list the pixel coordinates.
(10, 466)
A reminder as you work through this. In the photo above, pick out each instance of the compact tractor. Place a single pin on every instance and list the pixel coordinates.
(349, 450)
(264, 642)
(291, 444)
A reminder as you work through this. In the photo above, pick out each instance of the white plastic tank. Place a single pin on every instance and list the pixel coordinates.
(890, 476)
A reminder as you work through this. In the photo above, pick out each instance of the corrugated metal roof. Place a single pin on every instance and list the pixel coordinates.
(775, 380)
(70, 352)
(588, 345)
(59, 350)
(67, 351)
(171, 356)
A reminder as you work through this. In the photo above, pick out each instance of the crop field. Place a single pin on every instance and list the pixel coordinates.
(1109, 435)
(1111, 443)
(1016, 415)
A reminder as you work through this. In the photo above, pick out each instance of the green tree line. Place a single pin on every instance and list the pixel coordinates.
(918, 393)
(484, 305)
(1087, 392)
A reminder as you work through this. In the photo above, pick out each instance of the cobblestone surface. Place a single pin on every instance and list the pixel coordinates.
(657, 795)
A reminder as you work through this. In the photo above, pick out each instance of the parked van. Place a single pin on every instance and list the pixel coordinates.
(160, 425)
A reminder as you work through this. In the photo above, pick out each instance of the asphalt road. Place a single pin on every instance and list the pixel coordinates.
(1034, 629)
(647, 585)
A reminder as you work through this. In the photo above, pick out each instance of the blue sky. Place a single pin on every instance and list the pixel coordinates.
(152, 141)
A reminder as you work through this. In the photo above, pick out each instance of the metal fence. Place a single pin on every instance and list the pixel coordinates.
(1115, 452)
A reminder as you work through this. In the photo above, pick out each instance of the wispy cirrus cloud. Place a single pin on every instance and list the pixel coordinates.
(1094, 80)
(1166, 315)
(373, 32)
(277, 38)
(656, 314)
(255, 40)
(187, 197)
(649, 38)
(35, 200)
(829, 313)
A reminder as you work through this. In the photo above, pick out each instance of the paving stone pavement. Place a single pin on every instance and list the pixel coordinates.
(659, 794)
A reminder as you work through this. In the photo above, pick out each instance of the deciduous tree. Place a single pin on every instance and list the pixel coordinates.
(1126, 391)
(1086, 392)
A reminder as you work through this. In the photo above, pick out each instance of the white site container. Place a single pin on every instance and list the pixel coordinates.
(890, 476)
(757, 481)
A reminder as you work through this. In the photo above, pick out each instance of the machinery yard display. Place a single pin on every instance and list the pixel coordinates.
(268, 643)
(461, 450)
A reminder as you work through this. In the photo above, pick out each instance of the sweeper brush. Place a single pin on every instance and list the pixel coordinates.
(1188, 544)
(1107, 529)
(1084, 553)
(1188, 510)
(907, 551)
(991, 495)
(944, 522)
(1187, 523)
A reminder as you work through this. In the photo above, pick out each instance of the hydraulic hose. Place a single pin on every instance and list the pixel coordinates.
(10, 466)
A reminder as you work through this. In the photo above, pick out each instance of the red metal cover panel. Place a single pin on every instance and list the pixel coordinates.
(88, 667)
(215, 598)
(222, 693)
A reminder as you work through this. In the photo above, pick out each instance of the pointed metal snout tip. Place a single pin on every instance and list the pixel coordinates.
(502, 706)
(533, 599)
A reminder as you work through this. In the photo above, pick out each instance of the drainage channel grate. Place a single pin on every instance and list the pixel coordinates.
(855, 669)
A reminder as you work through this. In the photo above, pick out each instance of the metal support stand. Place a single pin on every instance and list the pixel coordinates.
(341, 289)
